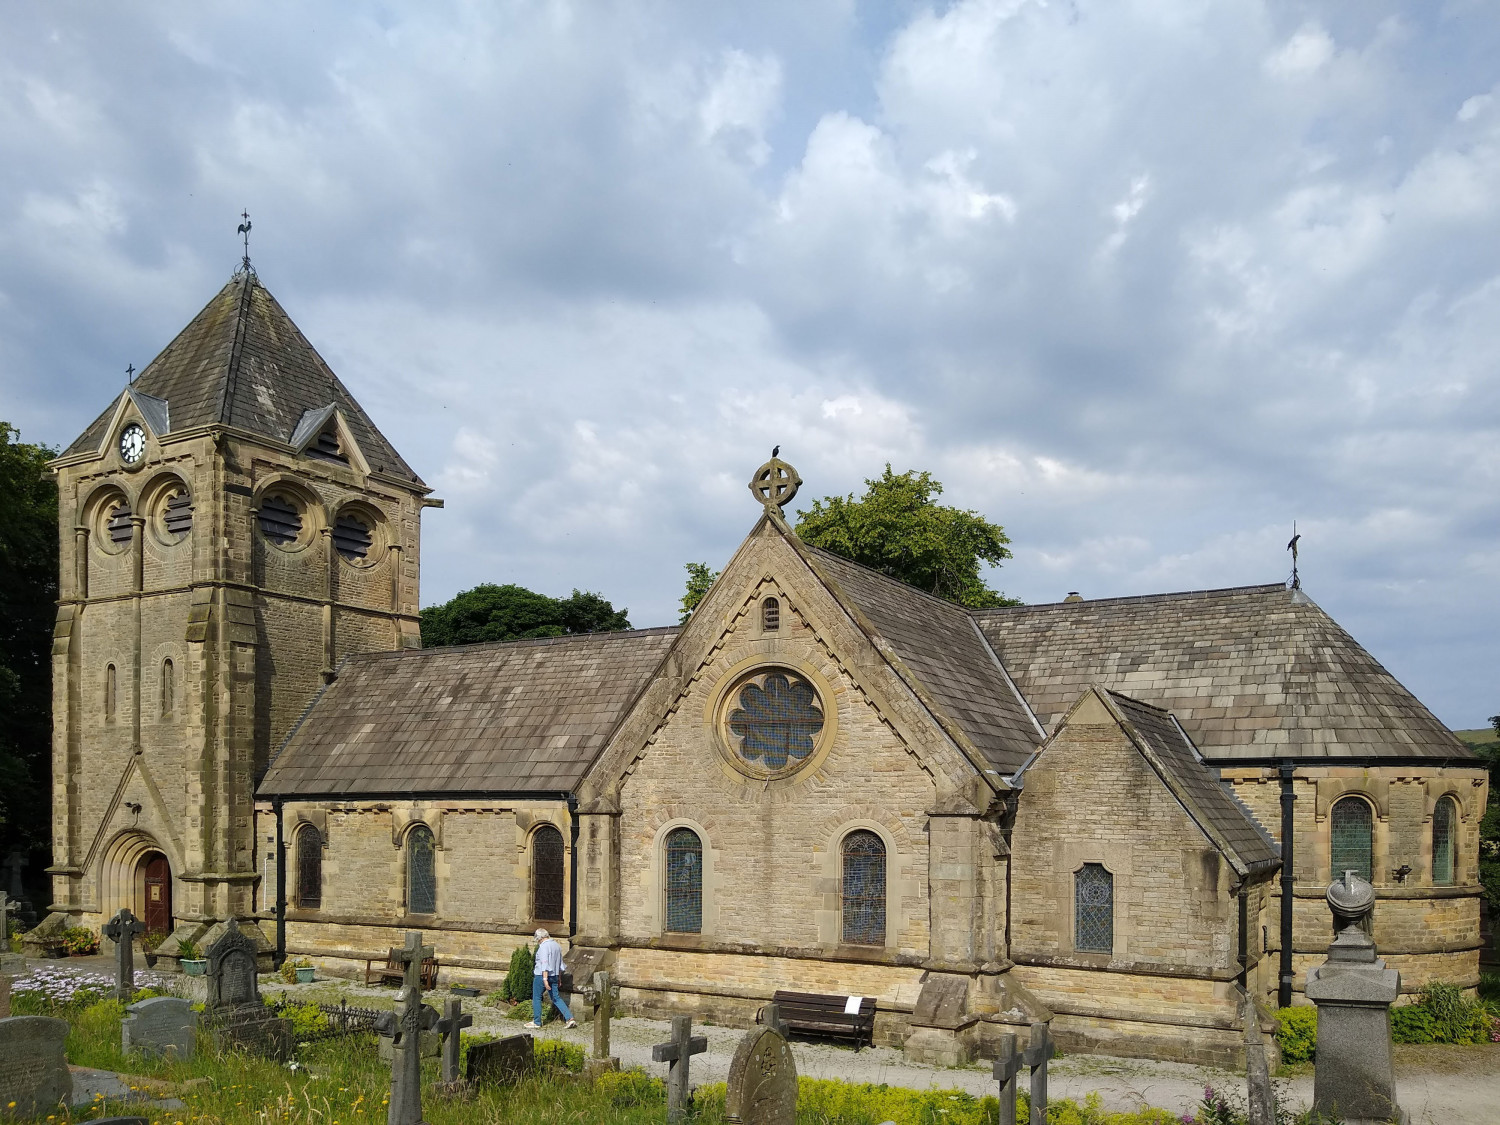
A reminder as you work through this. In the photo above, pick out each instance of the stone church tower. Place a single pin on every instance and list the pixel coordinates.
(232, 526)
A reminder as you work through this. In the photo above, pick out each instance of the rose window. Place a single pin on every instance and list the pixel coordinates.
(777, 720)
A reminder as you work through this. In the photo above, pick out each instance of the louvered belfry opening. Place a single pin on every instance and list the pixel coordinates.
(280, 519)
(352, 537)
(119, 523)
(1442, 842)
(309, 867)
(863, 888)
(547, 874)
(328, 447)
(177, 517)
(684, 882)
(1094, 909)
(1351, 838)
(770, 615)
(421, 871)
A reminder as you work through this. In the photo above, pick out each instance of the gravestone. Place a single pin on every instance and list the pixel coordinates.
(677, 1051)
(1035, 1056)
(762, 1080)
(33, 1067)
(1005, 1068)
(162, 1025)
(503, 1061)
(603, 1003)
(451, 1028)
(412, 1019)
(431, 1040)
(234, 1010)
(122, 930)
(1353, 1077)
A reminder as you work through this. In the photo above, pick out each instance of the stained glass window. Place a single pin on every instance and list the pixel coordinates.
(1094, 909)
(309, 867)
(547, 874)
(1350, 836)
(684, 882)
(777, 720)
(863, 888)
(1442, 842)
(421, 871)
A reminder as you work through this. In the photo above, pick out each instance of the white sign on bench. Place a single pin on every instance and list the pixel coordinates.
(851, 1005)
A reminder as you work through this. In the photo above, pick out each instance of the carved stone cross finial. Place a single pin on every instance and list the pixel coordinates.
(775, 483)
(682, 1046)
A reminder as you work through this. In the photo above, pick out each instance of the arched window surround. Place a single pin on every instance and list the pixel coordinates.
(770, 614)
(1445, 854)
(1351, 836)
(1094, 920)
(419, 858)
(708, 880)
(542, 897)
(309, 852)
(864, 859)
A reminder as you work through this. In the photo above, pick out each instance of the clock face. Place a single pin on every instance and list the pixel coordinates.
(132, 444)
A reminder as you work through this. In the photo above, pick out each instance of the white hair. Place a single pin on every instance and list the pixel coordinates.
(542, 935)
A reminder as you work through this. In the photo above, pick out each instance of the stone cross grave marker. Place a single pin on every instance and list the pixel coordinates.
(604, 1009)
(122, 930)
(1005, 1069)
(682, 1046)
(161, 1025)
(451, 1028)
(1035, 1056)
(762, 1080)
(411, 1015)
(34, 1074)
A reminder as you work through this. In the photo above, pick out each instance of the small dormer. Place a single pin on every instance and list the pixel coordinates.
(322, 434)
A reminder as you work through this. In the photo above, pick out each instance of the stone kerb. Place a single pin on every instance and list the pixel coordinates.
(161, 1025)
(34, 1076)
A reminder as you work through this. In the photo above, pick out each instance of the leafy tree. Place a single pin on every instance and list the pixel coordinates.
(28, 608)
(510, 613)
(1489, 824)
(899, 529)
(699, 579)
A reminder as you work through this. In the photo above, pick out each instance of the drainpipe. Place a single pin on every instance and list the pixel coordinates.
(1288, 804)
(1244, 954)
(573, 869)
(280, 888)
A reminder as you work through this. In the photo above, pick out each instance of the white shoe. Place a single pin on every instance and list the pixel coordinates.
(531, 1025)
(571, 1023)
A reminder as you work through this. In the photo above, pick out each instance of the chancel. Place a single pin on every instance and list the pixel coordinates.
(1099, 814)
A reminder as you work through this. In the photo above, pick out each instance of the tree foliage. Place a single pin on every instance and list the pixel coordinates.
(699, 579)
(1489, 824)
(899, 529)
(28, 608)
(512, 613)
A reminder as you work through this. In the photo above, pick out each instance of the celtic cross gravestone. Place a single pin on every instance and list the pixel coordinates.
(122, 929)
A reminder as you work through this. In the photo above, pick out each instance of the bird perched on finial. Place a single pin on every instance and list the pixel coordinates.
(776, 451)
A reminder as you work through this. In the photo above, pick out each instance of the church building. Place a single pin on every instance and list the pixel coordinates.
(1117, 814)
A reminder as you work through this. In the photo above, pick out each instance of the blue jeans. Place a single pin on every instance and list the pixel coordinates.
(536, 998)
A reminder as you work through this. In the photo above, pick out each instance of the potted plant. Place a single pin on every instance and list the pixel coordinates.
(304, 971)
(191, 957)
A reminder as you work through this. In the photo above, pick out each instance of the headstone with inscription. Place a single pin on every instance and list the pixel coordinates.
(122, 930)
(234, 1010)
(762, 1080)
(162, 1025)
(34, 1076)
(502, 1061)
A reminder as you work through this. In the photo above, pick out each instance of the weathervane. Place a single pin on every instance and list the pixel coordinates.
(1292, 547)
(775, 482)
(244, 230)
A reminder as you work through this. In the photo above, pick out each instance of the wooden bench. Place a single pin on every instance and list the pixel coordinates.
(394, 973)
(828, 1015)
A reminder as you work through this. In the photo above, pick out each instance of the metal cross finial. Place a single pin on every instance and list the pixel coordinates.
(1292, 547)
(244, 230)
(130, 373)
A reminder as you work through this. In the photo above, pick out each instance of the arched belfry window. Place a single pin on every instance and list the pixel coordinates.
(1351, 838)
(862, 888)
(770, 615)
(684, 882)
(309, 867)
(421, 871)
(547, 874)
(168, 689)
(109, 693)
(1444, 823)
(1093, 909)
(119, 527)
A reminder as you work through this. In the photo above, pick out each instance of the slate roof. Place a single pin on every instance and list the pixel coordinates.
(941, 646)
(1231, 826)
(1251, 672)
(519, 716)
(242, 362)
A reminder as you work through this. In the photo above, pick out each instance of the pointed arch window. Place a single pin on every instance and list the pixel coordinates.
(1444, 822)
(1351, 837)
(1094, 909)
(863, 888)
(168, 689)
(109, 693)
(547, 874)
(309, 867)
(684, 882)
(421, 871)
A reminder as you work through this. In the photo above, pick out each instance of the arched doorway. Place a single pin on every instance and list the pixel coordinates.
(154, 876)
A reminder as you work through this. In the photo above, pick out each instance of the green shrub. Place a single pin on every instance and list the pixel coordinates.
(307, 1019)
(555, 1054)
(1413, 1023)
(518, 976)
(80, 941)
(1455, 1017)
(1489, 987)
(632, 1087)
(1297, 1033)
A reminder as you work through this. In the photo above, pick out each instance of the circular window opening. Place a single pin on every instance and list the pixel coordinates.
(352, 537)
(280, 519)
(774, 719)
(175, 514)
(117, 523)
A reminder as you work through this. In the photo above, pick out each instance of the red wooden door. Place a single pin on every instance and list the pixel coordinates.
(158, 912)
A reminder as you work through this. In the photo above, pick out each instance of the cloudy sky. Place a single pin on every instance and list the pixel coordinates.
(1143, 281)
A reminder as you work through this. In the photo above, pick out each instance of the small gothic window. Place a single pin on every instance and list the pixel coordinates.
(328, 447)
(1442, 842)
(352, 537)
(777, 720)
(1094, 908)
(109, 692)
(770, 615)
(863, 888)
(177, 516)
(547, 874)
(421, 871)
(119, 523)
(684, 882)
(1350, 838)
(310, 867)
(168, 688)
(280, 519)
